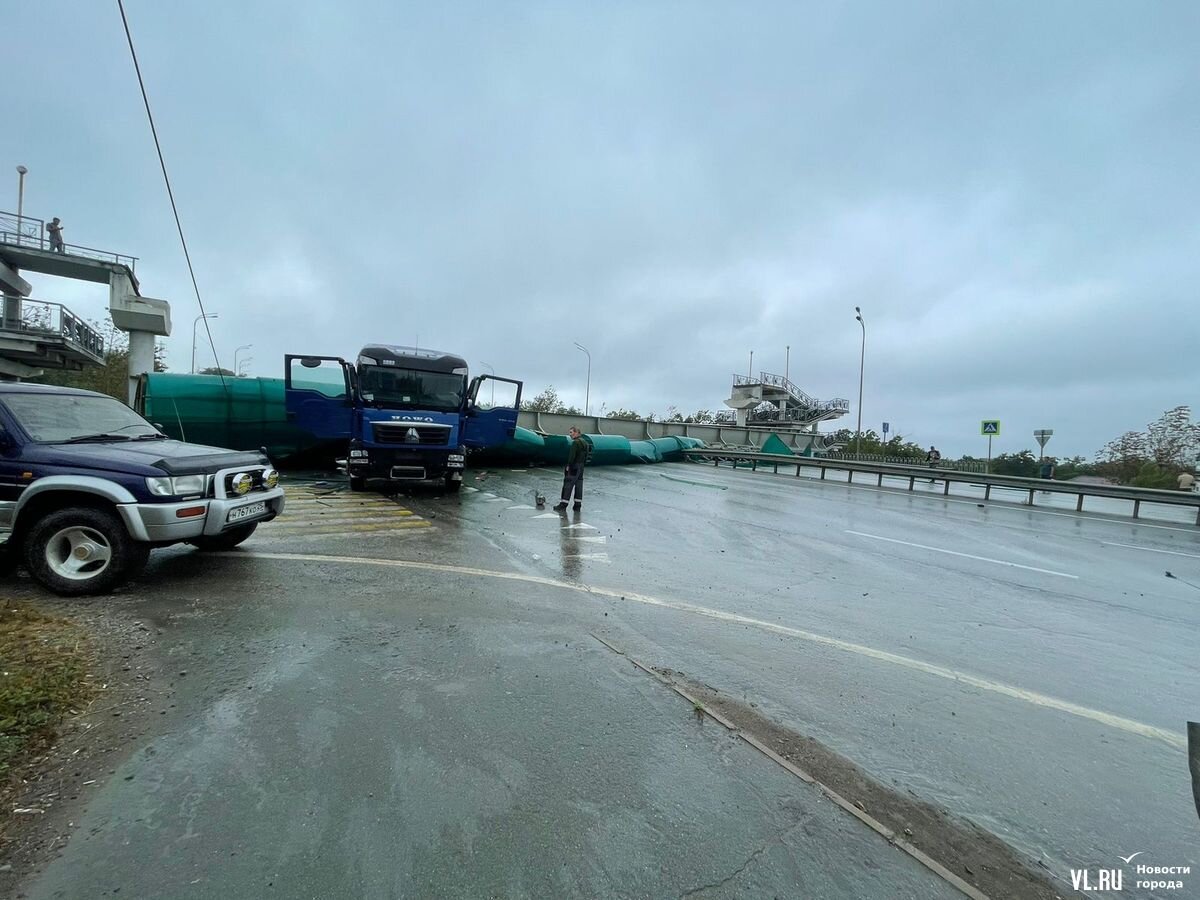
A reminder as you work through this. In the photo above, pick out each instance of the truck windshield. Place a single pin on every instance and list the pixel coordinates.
(61, 417)
(411, 388)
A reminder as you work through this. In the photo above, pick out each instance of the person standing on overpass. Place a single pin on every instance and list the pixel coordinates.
(54, 226)
(573, 473)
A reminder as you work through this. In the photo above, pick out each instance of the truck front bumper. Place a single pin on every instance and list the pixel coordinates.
(170, 523)
(406, 465)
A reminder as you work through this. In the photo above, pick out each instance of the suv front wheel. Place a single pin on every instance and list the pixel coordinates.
(82, 550)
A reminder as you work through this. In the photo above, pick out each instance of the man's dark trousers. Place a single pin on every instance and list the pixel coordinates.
(573, 479)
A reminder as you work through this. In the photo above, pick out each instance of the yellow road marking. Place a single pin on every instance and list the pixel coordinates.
(342, 529)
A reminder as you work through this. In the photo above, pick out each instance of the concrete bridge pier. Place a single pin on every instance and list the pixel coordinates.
(144, 319)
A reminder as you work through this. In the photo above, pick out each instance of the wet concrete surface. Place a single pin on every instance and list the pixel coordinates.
(350, 729)
(1117, 639)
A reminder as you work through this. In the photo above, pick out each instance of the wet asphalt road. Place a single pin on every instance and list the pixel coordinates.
(349, 729)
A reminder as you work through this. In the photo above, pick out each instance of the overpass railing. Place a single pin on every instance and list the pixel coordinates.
(30, 233)
(1137, 496)
(39, 318)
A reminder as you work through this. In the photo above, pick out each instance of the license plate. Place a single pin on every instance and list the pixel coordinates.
(249, 511)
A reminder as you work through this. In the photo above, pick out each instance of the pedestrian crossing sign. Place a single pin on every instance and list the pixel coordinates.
(990, 427)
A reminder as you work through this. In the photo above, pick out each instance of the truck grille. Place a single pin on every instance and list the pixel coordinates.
(405, 432)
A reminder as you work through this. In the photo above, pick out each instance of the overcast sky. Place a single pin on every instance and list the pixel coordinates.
(1009, 191)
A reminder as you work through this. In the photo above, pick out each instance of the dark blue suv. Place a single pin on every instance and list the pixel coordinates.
(88, 487)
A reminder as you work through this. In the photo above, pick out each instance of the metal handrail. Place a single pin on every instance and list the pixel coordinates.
(953, 476)
(24, 230)
(786, 384)
(41, 317)
(30, 232)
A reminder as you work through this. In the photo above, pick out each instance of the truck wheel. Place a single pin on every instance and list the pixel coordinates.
(226, 540)
(82, 550)
(453, 485)
(358, 484)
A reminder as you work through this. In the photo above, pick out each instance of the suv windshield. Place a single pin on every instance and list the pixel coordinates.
(61, 417)
(412, 388)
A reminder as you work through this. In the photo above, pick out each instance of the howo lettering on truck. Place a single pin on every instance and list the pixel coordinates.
(400, 414)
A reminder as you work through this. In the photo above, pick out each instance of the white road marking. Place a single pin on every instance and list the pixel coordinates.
(581, 525)
(471, 489)
(498, 500)
(519, 506)
(999, 562)
(591, 539)
(597, 557)
(1132, 726)
(1152, 550)
(546, 516)
(488, 494)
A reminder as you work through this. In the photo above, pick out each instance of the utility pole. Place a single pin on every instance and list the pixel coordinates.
(861, 362)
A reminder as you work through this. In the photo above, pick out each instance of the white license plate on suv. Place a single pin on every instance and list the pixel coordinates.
(249, 511)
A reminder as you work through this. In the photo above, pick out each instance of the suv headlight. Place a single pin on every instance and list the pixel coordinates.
(178, 485)
(270, 479)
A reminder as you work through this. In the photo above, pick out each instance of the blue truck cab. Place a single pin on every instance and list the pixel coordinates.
(88, 487)
(400, 414)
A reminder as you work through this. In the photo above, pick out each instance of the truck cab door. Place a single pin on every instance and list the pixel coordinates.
(319, 395)
(492, 407)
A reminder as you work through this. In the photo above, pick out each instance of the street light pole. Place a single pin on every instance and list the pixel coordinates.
(587, 396)
(787, 361)
(21, 170)
(861, 361)
(493, 371)
(236, 368)
(194, 324)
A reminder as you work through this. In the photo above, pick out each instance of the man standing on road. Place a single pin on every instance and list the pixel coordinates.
(54, 226)
(932, 458)
(573, 474)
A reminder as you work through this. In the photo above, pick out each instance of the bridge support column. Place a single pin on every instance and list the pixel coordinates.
(143, 319)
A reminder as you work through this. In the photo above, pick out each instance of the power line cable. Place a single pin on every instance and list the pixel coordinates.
(170, 193)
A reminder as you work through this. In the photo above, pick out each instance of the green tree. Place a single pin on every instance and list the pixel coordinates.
(213, 370)
(1152, 475)
(1171, 442)
(548, 402)
(1023, 464)
(873, 445)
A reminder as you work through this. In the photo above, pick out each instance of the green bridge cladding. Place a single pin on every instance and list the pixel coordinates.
(250, 413)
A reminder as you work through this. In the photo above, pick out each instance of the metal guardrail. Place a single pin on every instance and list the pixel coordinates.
(978, 466)
(39, 317)
(30, 232)
(1137, 496)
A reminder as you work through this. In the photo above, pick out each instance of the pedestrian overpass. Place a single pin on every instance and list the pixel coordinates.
(773, 399)
(39, 335)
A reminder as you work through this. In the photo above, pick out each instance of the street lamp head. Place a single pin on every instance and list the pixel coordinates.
(21, 170)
